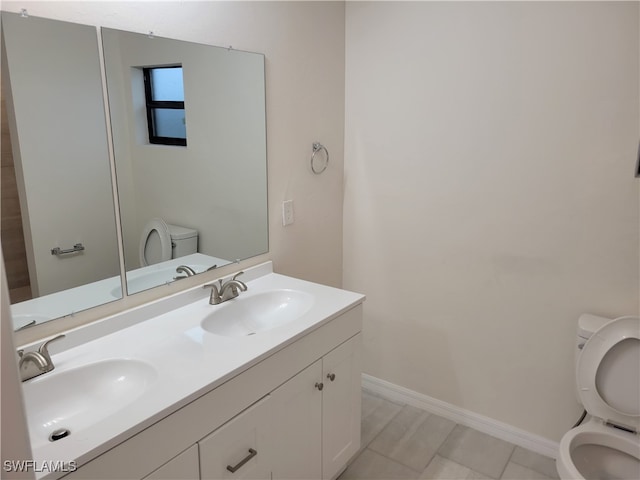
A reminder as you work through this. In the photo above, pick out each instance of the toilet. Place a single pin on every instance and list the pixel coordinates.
(607, 446)
(161, 241)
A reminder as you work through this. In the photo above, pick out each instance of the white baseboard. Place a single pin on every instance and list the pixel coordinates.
(461, 416)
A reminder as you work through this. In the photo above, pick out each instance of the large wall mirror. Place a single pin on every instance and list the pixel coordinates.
(201, 203)
(184, 208)
(58, 218)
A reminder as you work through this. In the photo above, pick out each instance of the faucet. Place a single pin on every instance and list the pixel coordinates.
(186, 270)
(34, 363)
(221, 292)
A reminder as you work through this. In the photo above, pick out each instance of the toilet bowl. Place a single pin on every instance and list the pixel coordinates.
(608, 381)
(161, 241)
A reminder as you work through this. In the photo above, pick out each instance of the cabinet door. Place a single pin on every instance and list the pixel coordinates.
(240, 448)
(184, 466)
(297, 426)
(341, 405)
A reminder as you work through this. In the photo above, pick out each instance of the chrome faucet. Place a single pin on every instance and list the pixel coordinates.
(186, 270)
(221, 292)
(34, 363)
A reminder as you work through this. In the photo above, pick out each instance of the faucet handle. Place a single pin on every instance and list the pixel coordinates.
(235, 277)
(43, 350)
(215, 287)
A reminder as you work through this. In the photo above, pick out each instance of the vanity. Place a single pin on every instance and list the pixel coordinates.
(265, 385)
(262, 385)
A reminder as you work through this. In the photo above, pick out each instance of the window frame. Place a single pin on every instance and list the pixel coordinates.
(151, 105)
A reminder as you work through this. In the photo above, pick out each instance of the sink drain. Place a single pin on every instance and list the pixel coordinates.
(58, 434)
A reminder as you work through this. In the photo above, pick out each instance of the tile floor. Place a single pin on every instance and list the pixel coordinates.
(404, 442)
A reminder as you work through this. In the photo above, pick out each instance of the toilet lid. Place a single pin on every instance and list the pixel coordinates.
(159, 226)
(608, 373)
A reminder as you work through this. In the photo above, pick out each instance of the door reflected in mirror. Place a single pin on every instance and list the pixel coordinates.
(58, 217)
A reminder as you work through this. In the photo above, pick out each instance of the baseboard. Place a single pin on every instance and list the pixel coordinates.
(461, 416)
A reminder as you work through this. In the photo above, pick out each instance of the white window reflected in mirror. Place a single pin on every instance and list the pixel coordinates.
(164, 99)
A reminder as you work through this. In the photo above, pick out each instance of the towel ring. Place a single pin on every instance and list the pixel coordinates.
(316, 148)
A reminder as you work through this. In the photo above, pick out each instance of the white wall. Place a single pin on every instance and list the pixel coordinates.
(303, 43)
(489, 194)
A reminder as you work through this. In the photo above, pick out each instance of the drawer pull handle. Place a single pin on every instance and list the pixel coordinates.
(252, 453)
(331, 376)
(319, 385)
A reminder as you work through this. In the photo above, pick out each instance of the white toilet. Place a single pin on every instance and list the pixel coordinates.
(607, 446)
(161, 241)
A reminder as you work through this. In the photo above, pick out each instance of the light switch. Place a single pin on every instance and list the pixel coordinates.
(287, 212)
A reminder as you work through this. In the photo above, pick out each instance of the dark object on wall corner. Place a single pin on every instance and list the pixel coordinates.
(638, 163)
(580, 420)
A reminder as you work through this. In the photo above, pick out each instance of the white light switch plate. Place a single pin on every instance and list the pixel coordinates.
(287, 212)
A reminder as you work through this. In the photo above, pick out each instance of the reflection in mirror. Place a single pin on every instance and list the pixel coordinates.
(202, 201)
(56, 180)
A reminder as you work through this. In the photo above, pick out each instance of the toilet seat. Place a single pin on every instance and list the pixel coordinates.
(610, 406)
(607, 376)
(608, 448)
(160, 227)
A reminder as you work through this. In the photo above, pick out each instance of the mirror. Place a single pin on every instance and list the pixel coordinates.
(210, 193)
(58, 218)
(200, 205)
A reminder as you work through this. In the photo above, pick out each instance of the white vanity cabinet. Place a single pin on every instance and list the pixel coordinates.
(341, 406)
(317, 416)
(297, 426)
(274, 407)
(240, 448)
(184, 466)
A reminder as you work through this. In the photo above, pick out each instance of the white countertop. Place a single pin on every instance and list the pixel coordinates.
(175, 344)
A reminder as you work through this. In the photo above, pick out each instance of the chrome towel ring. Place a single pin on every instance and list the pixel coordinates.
(316, 148)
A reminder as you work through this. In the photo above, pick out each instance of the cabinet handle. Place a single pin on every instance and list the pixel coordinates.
(331, 376)
(252, 453)
(319, 385)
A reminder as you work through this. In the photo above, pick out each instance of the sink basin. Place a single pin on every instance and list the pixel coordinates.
(78, 398)
(257, 313)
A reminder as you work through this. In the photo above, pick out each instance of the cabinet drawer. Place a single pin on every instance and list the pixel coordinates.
(239, 449)
(184, 466)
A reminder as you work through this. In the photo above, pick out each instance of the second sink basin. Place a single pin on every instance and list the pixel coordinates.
(257, 313)
(78, 398)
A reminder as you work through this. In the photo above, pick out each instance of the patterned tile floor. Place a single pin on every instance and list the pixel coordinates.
(404, 442)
